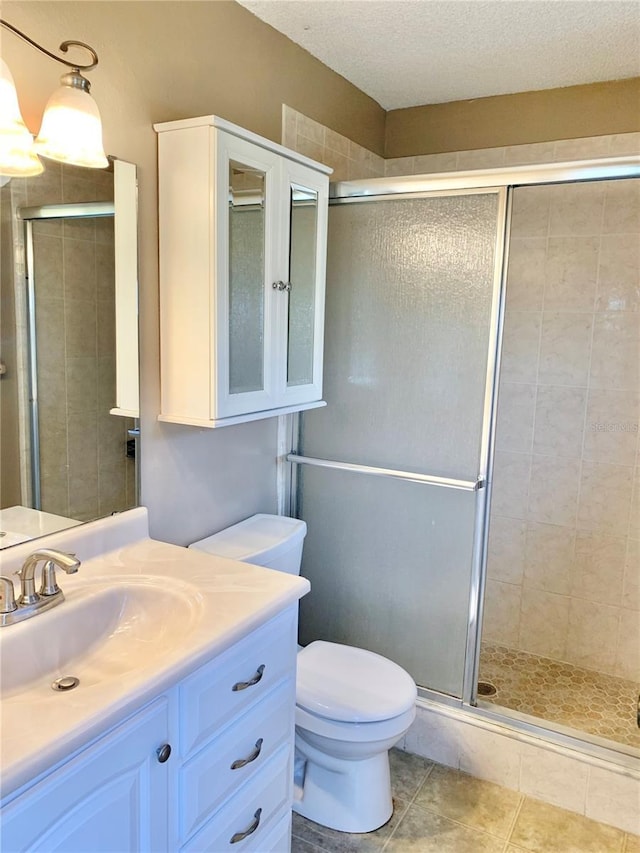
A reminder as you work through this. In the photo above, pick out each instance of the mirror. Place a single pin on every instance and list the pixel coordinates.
(69, 348)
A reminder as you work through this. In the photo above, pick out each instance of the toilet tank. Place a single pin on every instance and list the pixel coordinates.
(273, 541)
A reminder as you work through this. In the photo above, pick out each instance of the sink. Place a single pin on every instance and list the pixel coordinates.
(105, 629)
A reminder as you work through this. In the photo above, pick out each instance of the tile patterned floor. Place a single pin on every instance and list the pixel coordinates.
(439, 810)
(579, 698)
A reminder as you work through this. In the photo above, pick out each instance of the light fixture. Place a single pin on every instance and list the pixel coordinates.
(71, 130)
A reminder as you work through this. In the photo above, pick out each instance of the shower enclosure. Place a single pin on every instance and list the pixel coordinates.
(469, 489)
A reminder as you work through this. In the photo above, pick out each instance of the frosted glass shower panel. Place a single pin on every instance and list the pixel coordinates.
(389, 564)
(409, 295)
(246, 278)
(302, 277)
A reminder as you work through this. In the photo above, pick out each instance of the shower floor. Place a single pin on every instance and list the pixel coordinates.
(601, 705)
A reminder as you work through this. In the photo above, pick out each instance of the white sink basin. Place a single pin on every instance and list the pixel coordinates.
(105, 629)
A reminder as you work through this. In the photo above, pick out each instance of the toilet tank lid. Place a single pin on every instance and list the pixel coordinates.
(261, 536)
(351, 685)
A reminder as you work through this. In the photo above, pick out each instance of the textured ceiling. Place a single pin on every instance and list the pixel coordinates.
(408, 52)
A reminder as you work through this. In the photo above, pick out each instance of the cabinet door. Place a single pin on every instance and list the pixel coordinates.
(111, 797)
(302, 311)
(247, 230)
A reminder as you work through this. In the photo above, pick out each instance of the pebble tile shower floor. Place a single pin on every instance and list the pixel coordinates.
(440, 810)
(582, 699)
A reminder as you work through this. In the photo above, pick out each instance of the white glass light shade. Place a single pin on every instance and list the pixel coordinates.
(17, 157)
(71, 130)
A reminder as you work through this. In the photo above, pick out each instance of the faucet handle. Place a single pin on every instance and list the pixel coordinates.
(7, 596)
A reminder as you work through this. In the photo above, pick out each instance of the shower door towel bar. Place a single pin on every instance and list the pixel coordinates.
(424, 479)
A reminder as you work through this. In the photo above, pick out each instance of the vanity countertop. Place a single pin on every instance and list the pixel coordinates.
(226, 600)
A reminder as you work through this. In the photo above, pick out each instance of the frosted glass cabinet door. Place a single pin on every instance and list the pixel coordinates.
(302, 278)
(410, 302)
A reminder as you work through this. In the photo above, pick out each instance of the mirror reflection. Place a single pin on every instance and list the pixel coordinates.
(67, 441)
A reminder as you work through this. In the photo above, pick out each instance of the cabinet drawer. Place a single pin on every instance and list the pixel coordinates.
(209, 778)
(246, 821)
(223, 689)
(279, 839)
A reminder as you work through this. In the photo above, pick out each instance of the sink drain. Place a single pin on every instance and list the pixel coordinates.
(486, 688)
(67, 682)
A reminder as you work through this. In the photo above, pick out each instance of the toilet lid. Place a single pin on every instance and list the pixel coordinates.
(351, 685)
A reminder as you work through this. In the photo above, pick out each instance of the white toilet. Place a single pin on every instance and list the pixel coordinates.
(352, 705)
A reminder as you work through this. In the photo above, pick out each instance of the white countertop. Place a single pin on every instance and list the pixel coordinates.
(41, 727)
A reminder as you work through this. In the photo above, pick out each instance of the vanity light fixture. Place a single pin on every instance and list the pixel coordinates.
(71, 130)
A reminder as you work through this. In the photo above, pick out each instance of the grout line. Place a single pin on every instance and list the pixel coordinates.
(516, 815)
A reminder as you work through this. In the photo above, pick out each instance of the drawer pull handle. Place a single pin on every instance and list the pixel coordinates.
(242, 762)
(240, 836)
(242, 685)
(163, 753)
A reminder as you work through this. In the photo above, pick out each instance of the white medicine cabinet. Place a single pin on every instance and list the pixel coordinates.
(243, 224)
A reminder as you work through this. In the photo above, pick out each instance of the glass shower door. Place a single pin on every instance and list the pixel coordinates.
(389, 481)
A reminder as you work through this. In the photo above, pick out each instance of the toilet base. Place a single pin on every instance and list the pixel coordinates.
(343, 794)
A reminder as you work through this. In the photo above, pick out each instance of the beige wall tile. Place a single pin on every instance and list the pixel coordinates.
(399, 166)
(624, 143)
(289, 126)
(553, 490)
(615, 360)
(435, 736)
(634, 520)
(559, 420)
(526, 273)
(530, 215)
(587, 148)
(82, 384)
(520, 346)
(48, 263)
(543, 623)
(502, 613)
(631, 585)
(336, 142)
(571, 273)
(627, 663)
(619, 273)
(79, 269)
(599, 567)
(611, 433)
(490, 756)
(310, 148)
(506, 549)
(548, 560)
(564, 348)
(591, 629)
(553, 778)
(511, 484)
(605, 498)
(516, 409)
(481, 158)
(622, 207)
(80, 323)
(105, 272)
(614, 799)
(576, 209)
(310, 129)
(521, 155)
(426, 164)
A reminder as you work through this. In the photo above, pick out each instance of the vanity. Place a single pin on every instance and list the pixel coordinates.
(179, 734)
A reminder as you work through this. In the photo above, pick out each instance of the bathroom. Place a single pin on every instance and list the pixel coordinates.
(196, 481)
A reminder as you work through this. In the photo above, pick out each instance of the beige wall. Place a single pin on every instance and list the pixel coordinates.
(567, 113)
(166, 60)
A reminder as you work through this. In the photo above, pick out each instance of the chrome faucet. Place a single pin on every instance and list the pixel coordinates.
(31, 602)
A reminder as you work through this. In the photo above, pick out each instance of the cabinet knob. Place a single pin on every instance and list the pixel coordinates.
(240, 836)
(163, 752)
(242, 685)
(281, 285)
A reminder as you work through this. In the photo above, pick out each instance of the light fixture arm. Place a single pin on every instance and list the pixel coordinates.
(64, 47)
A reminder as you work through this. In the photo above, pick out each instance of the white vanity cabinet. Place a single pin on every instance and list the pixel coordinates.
(243, 225)
(226, 785)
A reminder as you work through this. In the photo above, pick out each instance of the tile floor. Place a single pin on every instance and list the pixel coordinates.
(440, 810)
(582, 699)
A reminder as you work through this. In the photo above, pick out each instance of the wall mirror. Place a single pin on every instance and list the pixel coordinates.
(69, 348)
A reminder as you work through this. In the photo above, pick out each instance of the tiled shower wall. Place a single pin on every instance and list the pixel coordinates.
(564, 566)
(564, 546)
(84, 471)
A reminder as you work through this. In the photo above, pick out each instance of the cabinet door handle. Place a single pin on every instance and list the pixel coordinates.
(163, 752)
(242, 685)
(242, 762)
(240, 836)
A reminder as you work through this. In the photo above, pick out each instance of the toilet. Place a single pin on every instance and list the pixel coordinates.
(352, 705)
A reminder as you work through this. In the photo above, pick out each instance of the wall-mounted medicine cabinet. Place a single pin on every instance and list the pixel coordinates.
(243, 224)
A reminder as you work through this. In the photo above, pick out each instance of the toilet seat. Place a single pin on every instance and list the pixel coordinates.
(344, 684)
(354, 733)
